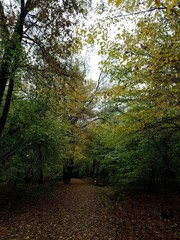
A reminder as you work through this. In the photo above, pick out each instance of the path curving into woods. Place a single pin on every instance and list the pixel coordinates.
(76, 213)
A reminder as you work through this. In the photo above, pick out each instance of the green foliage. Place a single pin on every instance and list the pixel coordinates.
(82, 169)
(32, 142)
(48, 95)
(137, 143)
(131, 139)
(169, 4)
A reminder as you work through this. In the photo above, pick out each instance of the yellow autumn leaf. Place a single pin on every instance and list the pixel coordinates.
(158, 3)
(118, 2)
(174, 2)
(149, 3)
(170, 5)
(171, 59)
(176, 58)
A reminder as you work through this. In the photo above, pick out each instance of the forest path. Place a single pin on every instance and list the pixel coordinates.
(75, 212)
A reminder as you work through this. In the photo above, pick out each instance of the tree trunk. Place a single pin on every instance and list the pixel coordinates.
(6, 106)
(41, 177)
(67, 171)
(9, 65)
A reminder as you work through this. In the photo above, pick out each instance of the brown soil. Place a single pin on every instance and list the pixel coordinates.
(76, 213)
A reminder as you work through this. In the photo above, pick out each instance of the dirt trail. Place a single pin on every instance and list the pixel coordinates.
(74, 213)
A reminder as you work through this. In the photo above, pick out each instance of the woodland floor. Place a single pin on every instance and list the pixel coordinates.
(79, 211)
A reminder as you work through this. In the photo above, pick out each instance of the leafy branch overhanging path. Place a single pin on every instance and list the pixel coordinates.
(77, 213)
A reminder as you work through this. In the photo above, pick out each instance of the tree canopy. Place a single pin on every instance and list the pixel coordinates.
(124, 131)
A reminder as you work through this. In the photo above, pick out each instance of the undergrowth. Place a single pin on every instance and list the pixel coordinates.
(12, 195)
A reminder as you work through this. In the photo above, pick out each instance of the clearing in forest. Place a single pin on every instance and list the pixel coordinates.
(76, 212)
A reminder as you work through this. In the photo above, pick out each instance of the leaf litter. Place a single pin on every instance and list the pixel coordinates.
(77, 213)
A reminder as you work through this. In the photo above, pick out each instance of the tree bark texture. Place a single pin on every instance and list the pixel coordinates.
(9, 64)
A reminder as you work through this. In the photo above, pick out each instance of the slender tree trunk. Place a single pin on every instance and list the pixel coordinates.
(4, 67)
(41, 176)
(6, 106)
(10, 61)
(67, 171)
(40, 171)
(4, 73)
